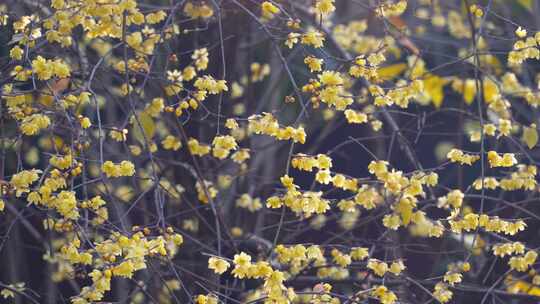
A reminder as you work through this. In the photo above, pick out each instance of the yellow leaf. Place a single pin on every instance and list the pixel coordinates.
(493, 62)
(491, 91)
(530, 136)
(405, 210)
(469, 90)
(391, 71)
(433, 87)
(534, 291)
(526, 3)
(144, 127)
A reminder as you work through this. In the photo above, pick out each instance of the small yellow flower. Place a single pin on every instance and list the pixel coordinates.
(324, 7)
(171, 143)
(314, 64)
(521, 32)
(269, 10)
(218, 265)
(124, 269)
(86, 123)
(378, 267)
(397, 267)
(313, 38)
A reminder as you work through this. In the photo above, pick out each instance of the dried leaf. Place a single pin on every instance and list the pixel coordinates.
(408, 44)
(60, 85)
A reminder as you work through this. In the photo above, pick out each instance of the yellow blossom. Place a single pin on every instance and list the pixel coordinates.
(269, 10)
(124, 168)
(218, 265)
(324, 7)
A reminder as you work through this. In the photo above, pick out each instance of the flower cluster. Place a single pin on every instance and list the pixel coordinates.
(473, 221)
(124, 168)
(222, 146)
(458, 156)
(268, 125)
(306, 203)
(496, 160)
(380, 268)
(163, 90)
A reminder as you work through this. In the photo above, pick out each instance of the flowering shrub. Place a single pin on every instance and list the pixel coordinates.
(232, 151)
